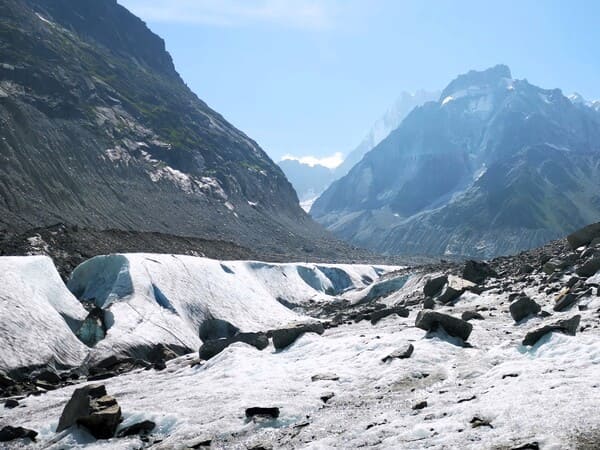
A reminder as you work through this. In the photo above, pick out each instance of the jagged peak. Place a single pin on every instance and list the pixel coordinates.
(474, 78)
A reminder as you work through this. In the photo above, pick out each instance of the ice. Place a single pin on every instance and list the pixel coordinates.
(36, 312)
(155, 299)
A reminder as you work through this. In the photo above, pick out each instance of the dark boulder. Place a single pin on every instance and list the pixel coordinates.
(325, 397)
(434, 285)
(566, 326)
(212, 329)
(584, 236)
(93, 409)
(589, 268)
(523, 307)
(420, 405)
(141, 428)
(11, 403)
(284, 337)
(376, 316)
(9, 433)
(478, 271)
(48, 376)
(209, 349)
(6, 381)
(428, 303)
(401, 353)
(432, 320)
(262, 411)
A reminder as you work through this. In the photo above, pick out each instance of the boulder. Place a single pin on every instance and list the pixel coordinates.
(523, 307)
(431, 320)
(284, 337)
(376, 316)
(93, 409)
(566, 326)
(9, 433)
(326, 396)
(477, 271)
(554, 265)
(401, 353)
(428, 303)
(589, 268)
(564, 300)
(525, 269)
(262, 411)
(140, 428)
(209, 349)
(6, 381)
(584, 236)
(11, 403)
(471, 315)
(455, 287)
(49, 377)
(434, 285)
(212, 329)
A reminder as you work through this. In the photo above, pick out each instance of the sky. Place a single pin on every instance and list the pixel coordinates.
(308, 78)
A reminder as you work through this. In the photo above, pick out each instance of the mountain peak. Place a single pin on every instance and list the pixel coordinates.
(473, 78)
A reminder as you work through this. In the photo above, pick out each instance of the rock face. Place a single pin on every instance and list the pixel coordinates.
(567, 326)
(211, 348)
(99, 130)
(92, 408)
(491, 168)
(285, 337)
(431, 320)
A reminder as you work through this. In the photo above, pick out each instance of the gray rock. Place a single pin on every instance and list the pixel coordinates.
(554, 265)
(212, 329)
(471, 315)
(584, 236)
(477, 271)
(376, 316)
(141, 428)
(589, 268)
(434, 285)
(564, 300)
(284, 337)
(431, 320)
(93, 409)
(209, 349)
(566, 326)
(401, 353)
(523, 307)
(324, 377)
(428, 303)
(454, 289)
(9, 433)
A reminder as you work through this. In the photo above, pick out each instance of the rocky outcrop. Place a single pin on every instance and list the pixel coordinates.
(92, 408)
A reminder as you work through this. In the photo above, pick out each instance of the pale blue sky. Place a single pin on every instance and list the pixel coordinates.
(309, 77)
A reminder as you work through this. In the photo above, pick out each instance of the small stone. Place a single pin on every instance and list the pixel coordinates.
(564, 300)
(420, 405)
(401, 353)
(325, 377)
(476, 422)
(471, 315)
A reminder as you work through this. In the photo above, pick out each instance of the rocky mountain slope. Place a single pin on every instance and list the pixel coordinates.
(98, 129)
(451, 355)
(308, 181)
(497, 165)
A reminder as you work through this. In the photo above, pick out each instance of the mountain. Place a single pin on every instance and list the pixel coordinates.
(495, 166)
(98, 129)
(385, 125)
(309, 181)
